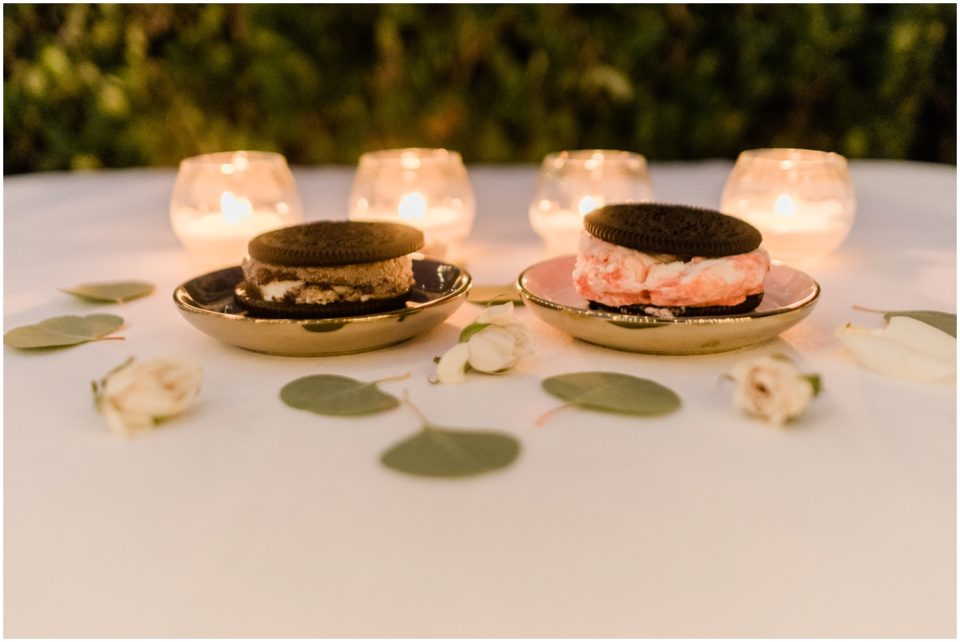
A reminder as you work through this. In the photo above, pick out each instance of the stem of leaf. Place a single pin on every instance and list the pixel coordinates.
(865, 309)
(416, 411)
(542, 419)
(405, 375)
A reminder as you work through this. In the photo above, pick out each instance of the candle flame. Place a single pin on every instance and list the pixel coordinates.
(412, 207)
(784, 206)
(588, 204)
(233, 209)
(410, 160)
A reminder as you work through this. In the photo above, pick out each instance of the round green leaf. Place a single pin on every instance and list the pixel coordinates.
(940, 320)
(337, 396)
(113, 292)
(613, 392)
(444, 452)
(59, 332)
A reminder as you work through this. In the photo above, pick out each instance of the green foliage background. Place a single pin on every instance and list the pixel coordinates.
(128, 85)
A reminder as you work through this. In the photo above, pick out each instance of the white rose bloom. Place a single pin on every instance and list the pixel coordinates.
(494, 348)
(138, 395)
(771, 388)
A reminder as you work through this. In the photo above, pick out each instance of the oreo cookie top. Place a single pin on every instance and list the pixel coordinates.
(326, 243)
(680, 230)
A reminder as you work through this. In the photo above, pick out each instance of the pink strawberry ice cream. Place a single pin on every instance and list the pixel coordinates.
(619, 276)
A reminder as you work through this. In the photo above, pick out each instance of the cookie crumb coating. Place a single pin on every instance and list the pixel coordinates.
(358, 282)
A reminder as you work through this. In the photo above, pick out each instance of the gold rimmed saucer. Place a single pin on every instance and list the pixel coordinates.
(547, 287)
(207, 303)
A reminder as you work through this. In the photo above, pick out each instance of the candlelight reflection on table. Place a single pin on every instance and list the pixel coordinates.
(571, 184)
(801, 200)
(426, 188)
(220, 201)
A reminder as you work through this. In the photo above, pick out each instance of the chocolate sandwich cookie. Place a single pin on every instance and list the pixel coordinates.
(678, 230)
(669, 261)
(328, 243)
(329, 269)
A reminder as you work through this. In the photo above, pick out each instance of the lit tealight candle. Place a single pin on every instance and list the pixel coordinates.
(588, 204)
(442, 227)
(802, 201)
(221, 201)
(560, 228)
(425, 188)
(412, 207)
(221, 237)
(570, 185)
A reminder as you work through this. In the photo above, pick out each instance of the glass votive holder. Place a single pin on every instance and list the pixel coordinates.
(221, 201)
(801, 200)
(571, 184)
(426, 188)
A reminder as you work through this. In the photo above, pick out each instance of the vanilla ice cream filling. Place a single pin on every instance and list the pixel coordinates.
(329, 284)
(618, 276)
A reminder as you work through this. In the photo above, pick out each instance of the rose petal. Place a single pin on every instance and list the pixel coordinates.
(920, 336)
(120, 379)
(501, 314)
(452, 365)
(912, 351)
(492, 349)
(522, 338)
(114, 420)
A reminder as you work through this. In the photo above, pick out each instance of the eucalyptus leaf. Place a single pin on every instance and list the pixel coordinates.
(940, 320)
(59, 332)
(490, 294)
(113, 292)
(337, 396)
(444, 452)
(613, 392)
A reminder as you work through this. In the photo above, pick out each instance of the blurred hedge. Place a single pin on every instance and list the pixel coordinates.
(124, 85)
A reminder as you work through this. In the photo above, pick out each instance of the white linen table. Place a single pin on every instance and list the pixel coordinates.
(249, 518)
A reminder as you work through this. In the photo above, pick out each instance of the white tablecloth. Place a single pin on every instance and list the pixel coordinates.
(249, 518)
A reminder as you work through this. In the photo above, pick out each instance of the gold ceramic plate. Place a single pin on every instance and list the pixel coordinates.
(207, 302)
(547, 287)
